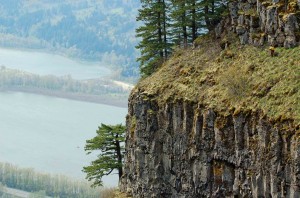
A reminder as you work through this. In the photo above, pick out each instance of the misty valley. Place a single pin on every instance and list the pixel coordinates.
(162, 98)
(66, 67)
(42, 127)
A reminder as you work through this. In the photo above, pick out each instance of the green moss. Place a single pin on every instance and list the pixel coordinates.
(266, 3)
(251, 80)
(251, 12)
(150, 112)
(202, 39)
(256, 35)
(292, 7)
(132, 125)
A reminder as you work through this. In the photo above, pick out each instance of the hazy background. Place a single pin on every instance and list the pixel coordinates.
(61, 63)
(94, 30)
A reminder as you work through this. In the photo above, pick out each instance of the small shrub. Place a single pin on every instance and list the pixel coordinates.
(202, 40)
(236, 81)
(227, 54)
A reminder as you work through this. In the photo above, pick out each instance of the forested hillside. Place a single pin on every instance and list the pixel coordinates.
(52, 185)
(101, 30)
(172, 24)
(168, 24)
(93, 90)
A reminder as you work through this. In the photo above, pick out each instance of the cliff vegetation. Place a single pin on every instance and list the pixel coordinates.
(216, 123)
(221, 118)
(239, 78)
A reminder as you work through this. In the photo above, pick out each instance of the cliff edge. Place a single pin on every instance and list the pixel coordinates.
(215, 122)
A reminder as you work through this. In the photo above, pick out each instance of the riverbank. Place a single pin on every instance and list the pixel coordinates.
(117, 100)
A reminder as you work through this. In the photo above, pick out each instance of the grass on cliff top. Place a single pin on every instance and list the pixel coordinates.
(113, 193)
(240, 78)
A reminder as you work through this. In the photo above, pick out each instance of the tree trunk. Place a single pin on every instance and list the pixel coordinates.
(206, 17)
(119, 156)
(184, 29)
(160, 33)
(194, 25)
(165, 31)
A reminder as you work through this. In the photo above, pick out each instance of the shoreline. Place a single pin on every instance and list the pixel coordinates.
(98, 99)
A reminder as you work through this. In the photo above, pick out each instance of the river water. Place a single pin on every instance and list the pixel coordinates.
(48, 133)
(47, 63)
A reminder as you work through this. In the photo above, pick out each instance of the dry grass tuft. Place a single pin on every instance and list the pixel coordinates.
(108, 193)
(112, 193)
(236, 82)
(250, 80)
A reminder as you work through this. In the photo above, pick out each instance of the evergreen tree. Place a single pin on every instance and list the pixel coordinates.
(194, 24)
(179, 22)
(211, 12)
(154, 46)
(173, 22)
(186, 21)
(110, 142)
(190, 18)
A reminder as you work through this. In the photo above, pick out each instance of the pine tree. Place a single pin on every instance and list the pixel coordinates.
(154, 46)
(192, 7)
(109, 141)
(173, 22)
(185, 21)
(179, 22)
(211, 12)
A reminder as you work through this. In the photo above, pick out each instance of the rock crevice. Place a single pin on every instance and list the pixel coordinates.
(260, 22)
(182, 149)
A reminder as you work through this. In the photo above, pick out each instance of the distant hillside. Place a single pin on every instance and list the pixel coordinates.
(95, 90)
(88, 29)
(26, 182)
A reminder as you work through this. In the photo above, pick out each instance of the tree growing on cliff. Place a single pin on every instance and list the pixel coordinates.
(110, 142)
(170, 23)
(154, 46)
(184, 21)
(211, 12)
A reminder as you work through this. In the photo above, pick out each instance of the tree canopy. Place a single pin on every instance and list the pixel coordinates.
(29, 180)
(169, 23)
(154, 46)
(110, 142)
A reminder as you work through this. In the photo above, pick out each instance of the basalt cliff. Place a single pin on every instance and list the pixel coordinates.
(215, 122)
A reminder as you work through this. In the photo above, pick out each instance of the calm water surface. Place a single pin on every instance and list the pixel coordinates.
(49, 133)
(46, 63)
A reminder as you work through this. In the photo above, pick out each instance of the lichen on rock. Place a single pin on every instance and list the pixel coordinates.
(221, 119)
(277, 20)
(186, 150)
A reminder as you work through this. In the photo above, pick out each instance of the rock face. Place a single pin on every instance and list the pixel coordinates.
(260, 22)
(182, 149)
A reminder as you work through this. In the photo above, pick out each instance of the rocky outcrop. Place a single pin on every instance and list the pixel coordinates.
(260, 22)
(183, 149)
(179, 145)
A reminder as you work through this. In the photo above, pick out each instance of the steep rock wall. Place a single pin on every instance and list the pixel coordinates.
(259, 22)
(182, 149)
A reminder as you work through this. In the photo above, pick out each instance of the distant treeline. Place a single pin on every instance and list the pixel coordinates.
(93, 30)
(66, 86)
(17, 78)
(27, 179)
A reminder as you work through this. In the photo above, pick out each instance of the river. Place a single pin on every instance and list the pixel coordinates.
(47, 63)
(49, 133)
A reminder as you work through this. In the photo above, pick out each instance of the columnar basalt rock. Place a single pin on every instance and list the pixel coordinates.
(182, 149)
(260, 22)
